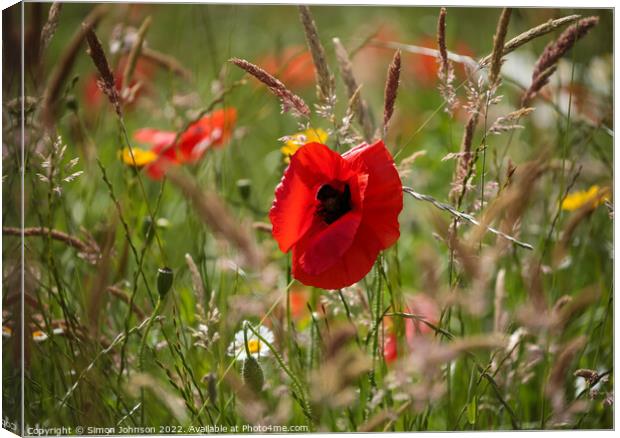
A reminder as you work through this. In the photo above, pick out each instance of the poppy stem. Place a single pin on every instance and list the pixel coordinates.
(245, 339)
(466, 217)
(348, 312)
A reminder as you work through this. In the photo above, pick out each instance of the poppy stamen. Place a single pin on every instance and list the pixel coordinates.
(333, 204)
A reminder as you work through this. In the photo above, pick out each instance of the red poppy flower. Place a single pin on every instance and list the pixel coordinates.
(337, 212)
(211, 131)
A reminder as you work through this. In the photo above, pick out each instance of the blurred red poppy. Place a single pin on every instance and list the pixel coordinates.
(293, 66)
(211, 131)
(390, 342)
(337, 212)
(143, 74)
(425, 68)
(426, 308)
(298, 303)
(299, 297)
(390, 352)
(372, 59)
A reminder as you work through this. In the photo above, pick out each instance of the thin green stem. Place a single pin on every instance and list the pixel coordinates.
(301, 393)
(143, 342)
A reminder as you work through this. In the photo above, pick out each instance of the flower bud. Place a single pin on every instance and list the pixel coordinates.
(252, 374)
(245, 187)
(164, 281)
(211, 382)
(71, 102)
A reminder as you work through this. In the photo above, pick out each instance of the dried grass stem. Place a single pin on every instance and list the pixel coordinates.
(498, 46)
(532, 34)
(546, 64)
(441, 43)
(107, 82)
(289, 100)
(467, 217)
(324, 77)
(72, 241)
(135, 52)
(391, 90)
(361, 107)
(166, 61)
(214, 213)
(65, 64)
(49, 29)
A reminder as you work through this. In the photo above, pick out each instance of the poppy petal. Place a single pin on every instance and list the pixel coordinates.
(154, 137)
(293, 209)
(221, 124)
(158, 169)
(317, 164)
(213, 129)
(324, 244)
(350, 268)
(383, 197)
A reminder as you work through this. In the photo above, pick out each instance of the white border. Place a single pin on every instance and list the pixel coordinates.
(470, 3)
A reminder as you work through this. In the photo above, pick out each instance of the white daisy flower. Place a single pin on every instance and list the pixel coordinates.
(39, 336)
(255, 345)
(58, 331)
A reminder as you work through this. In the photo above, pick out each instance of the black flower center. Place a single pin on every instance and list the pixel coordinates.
(333, 203)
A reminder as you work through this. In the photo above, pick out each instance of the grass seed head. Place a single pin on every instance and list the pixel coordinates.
(547, 62)
(391, 90)
(106, 83)
(326, 86)
(289, 100)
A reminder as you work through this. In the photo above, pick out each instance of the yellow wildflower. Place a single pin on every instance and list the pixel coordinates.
(594, 197)
(296, 141)
(141, 157)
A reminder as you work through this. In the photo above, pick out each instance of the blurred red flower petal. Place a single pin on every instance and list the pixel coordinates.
(425, 307)
(390, 350)
(390, 342)
(212, 130)
(143, 73)
(293, 66)
(298, 297)
(425, 68)
(159, 139)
